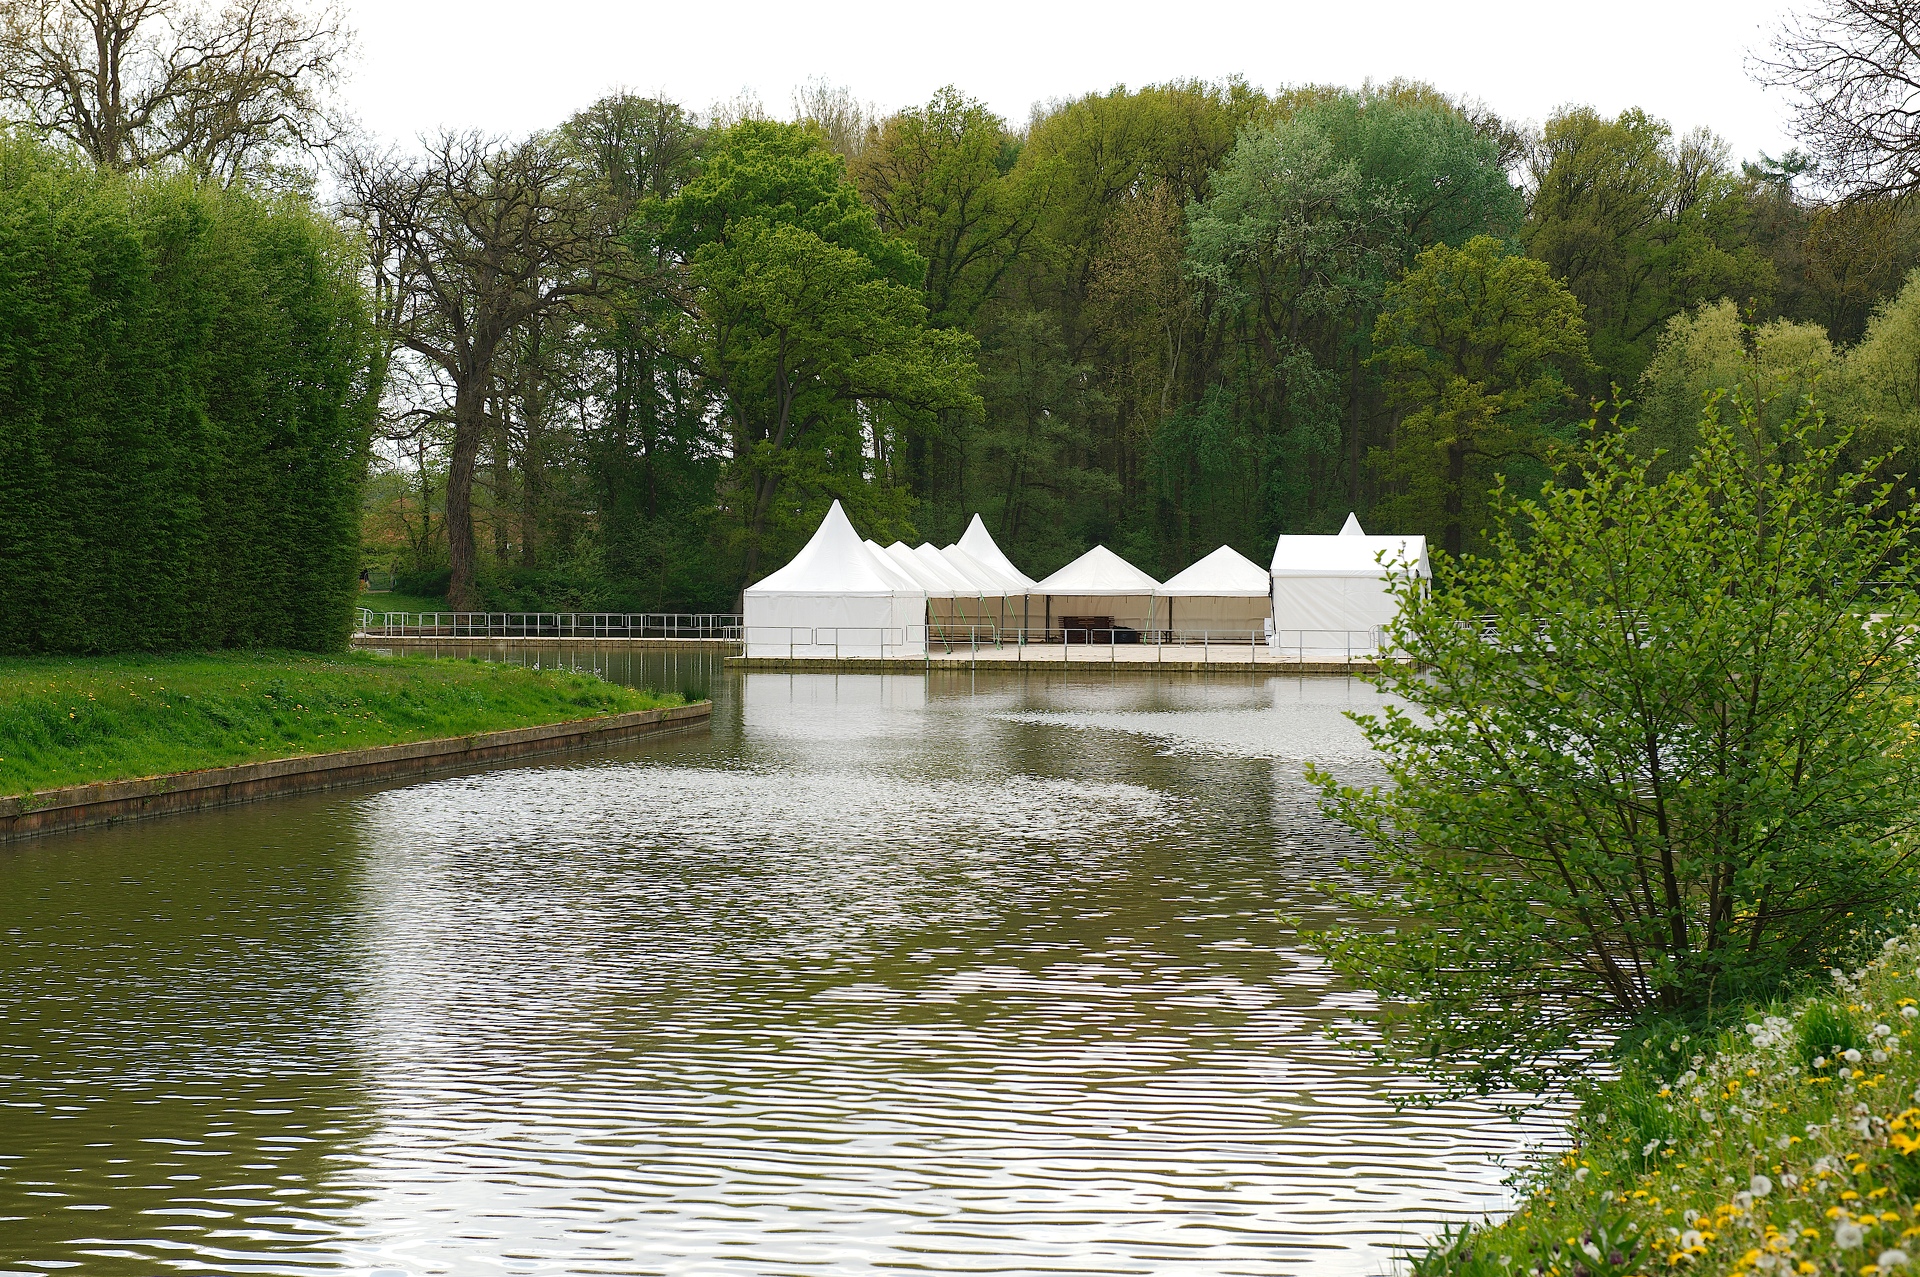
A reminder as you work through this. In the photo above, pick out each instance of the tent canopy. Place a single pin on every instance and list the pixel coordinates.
(1099, 573)
(1226, 573)
(898, 558)
(935, 565)
(835, 562)
(979, 543)
(990, 583)
(1351, 553)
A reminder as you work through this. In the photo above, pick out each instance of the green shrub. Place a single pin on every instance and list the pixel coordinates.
(184, 411)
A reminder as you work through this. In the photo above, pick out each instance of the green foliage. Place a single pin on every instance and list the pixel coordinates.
(808, 336)
(1473, 341)
(1655, 758)
(1711, 354)
(1640, 226)
(1750, 1150)
(68, 721)
(183, 414)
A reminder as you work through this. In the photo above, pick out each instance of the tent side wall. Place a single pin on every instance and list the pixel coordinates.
(829, 625)
(1323, 610)
(1222, 617)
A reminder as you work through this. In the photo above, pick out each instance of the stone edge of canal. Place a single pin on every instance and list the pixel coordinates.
(110, 802)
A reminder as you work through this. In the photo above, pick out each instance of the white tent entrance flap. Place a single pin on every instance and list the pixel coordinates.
(1225, 597)
(1330, 593)
(1098, 598)
(836, 599)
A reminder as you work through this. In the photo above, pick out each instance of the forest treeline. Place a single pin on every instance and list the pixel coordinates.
(1163, 319)
(628, 361)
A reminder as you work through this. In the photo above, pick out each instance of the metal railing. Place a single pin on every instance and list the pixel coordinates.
(1208, 646)
(584, 626)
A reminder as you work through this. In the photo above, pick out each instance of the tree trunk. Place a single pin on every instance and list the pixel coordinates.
(463, 594)
(1456, 495)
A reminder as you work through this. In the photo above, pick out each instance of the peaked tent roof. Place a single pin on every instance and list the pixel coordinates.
(1350, 554)
(1098, 572)
(937, 566)
(978, 542)
(1226, 573)
(908, 572)
(989, 580)
(835, 561)
(903, 561)
(1351, 528)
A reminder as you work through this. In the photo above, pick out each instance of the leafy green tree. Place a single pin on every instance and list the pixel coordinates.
(1474, 342)
(1640, 226)
(1776, 364)
(809, 332)
(940, 177)
(1655, 755)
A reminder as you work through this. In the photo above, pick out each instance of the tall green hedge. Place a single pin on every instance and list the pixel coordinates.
(184, 410)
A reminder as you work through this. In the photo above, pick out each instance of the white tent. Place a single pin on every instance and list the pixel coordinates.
(979, 543)
(1225, 596)
(836, 598)
(900, 557)
(1097, 593)
(1331, 592)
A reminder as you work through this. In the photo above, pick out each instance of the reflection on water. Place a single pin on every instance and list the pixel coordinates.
(965, 975)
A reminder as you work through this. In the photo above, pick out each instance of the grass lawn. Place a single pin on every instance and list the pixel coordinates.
(388, 601)
(71, 720)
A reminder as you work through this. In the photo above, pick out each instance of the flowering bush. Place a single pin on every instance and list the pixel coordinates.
(1791, 1146)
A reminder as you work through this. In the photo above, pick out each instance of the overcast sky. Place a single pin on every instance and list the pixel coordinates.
(512, 67)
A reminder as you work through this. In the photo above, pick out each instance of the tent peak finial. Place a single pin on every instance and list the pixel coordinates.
(1351, 528)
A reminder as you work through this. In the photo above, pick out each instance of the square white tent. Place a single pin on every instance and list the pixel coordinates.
(1330, 592)
(1225, 597)
(1095, 595)
(836, 598)
(1002, 597)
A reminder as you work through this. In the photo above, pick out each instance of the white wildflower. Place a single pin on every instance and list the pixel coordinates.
(1910, 1013)
(1706, 1115)
(1819, 1061)
(1783, 1143)
(1847, 1235)
(1593, 1251)
(1760, 1186)
(1580, 1176)
(1882, 1030)
(1879, 1057)
(1690, 1239)
(1651, 1145)
(1892, 1258)
(1851, 1055)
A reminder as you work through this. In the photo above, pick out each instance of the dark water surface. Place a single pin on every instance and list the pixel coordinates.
(883, 973)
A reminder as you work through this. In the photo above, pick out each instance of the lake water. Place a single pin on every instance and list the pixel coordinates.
(881, 973)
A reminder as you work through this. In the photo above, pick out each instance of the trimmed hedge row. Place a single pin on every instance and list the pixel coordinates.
(184, 413)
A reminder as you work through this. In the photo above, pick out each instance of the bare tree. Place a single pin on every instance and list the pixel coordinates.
(472, 240)
(137, 82)
(1855, 65)
(841, 116)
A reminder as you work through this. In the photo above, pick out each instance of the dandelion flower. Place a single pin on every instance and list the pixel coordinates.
(1910, 1013)
(1893, 1258)
(1760, 1186)
(1851, 1055)
(1580, 1175)
(1847, 1236)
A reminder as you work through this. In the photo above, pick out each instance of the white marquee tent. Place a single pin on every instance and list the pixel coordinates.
(1330, 592)
(1096, 593)
(1224, 596)
(836, 598)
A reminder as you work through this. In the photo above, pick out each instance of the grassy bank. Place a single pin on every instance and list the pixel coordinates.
(1789, 1145)
(71, 720)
